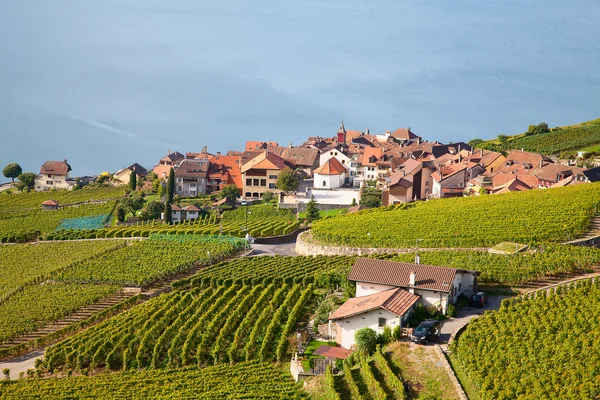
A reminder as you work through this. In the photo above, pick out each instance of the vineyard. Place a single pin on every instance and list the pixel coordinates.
(24, 226)
(245, 380)
(28, 264)
(526, 217)
(206, 226)
(572, 137)
(18, 202)
(216, 325)
(95, 222)
(371, 379)
(156, 258)
(324, 271)
(36, 306)
(544, 261)
(537, 347)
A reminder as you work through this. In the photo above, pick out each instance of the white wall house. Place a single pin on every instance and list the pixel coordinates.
(390, 308)
(334, 153)
(397, 288)
(330, 175)
(53, 175)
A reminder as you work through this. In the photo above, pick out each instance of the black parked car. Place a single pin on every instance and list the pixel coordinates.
(426, 331)
(479, 299)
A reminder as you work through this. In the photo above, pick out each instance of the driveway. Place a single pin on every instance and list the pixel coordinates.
(466, 314)
(284, 249)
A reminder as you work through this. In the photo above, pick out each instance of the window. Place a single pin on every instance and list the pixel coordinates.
(248, 194)
(343, 161)
(272, 186)
(48, 182)
(272, 176)
(256, 182)
(382, 322)
(179, 188)
(263, 182)
(324, 183)
(427, 183)
(248, 182)
(49, 175)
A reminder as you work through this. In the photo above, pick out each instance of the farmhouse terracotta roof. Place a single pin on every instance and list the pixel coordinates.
(192, 168)
(265, 160)
(332, 352)
(568, 182)
(398, 274)
(191, 208)
(331, 167)
(302, 156)
(552, 172)
(50, 203)
(173, 157)
(404, 134)
(397, 301)
(258, 145)
(175, 207)
(55, 168)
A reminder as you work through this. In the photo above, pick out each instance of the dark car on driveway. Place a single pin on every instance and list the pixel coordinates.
(426, 331)
(479, 299)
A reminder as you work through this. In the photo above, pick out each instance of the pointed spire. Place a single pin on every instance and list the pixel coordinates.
(342, 128)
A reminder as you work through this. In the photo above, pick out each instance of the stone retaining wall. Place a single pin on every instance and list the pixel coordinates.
(305, 247)
(459, 390)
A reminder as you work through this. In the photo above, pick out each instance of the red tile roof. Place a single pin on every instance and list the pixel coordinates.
(371, 152)
(175, 207)
(55, 168)
(333, 352)
(191, 208)
(398, 274)
(397, 301)
(301, 156)
(50, 203)
(404, 134)
(233, 164)
(253, 145)
(265, 160)
(192, 168)
(331, 167)
(173, 157)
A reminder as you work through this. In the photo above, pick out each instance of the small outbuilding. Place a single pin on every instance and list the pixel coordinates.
(50, 205)
(330, 175)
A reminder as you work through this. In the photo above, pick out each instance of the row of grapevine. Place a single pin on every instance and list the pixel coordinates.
(204, 327)
(372, 379)
(527, 217)
(244, 380)
(540, 346)
(156, 258)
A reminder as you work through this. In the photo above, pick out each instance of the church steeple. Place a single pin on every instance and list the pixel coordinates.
(341, 133)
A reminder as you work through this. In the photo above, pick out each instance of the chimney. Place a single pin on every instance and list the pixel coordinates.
(218, 153)
(541, 162)
(388, 133)
(168, 151)
(65, 160)
(481, 152)
(367, 131)
(205, 150)
(412, 280)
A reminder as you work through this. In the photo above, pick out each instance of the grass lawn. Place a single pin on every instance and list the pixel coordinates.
(152, 197)
(310, 349)
(327, 213)
(595, 148)
(508, 248)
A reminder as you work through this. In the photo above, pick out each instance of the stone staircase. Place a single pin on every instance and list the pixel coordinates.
(593, 229)
(78, 316)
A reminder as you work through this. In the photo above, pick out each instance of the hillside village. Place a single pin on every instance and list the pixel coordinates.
(348, 267)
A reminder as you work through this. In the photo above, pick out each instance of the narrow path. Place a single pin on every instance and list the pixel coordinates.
(22, 363)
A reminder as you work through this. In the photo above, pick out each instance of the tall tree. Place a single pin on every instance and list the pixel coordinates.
(171, 186)
(168, 213)
(26, 181)
(312, 208)
(12, 171)
(287, 180)
(132, 181)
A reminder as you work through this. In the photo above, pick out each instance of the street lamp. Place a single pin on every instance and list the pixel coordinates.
(417, 258)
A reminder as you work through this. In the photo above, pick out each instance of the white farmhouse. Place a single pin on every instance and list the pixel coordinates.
(53, 175)
(330, 175)
(392, 289)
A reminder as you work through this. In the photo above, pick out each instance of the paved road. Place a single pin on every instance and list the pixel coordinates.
(22, 364)
(466, 314)
(287, 249)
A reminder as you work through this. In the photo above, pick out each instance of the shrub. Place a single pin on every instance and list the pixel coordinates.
(366, 340)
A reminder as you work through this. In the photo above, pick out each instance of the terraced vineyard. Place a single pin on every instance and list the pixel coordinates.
(244, 380)
(24, 226)
(36, 306)
(18, 202)
(371, 379)
(221, 324)
(528, 217)
(27, 264)
(573, 137)
(153, 259)
(537, 347)
(325, 271)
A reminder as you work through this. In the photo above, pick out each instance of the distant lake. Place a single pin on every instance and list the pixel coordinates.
(106, 83)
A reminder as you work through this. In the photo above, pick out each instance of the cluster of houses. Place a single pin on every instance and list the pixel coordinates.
(399, 163)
